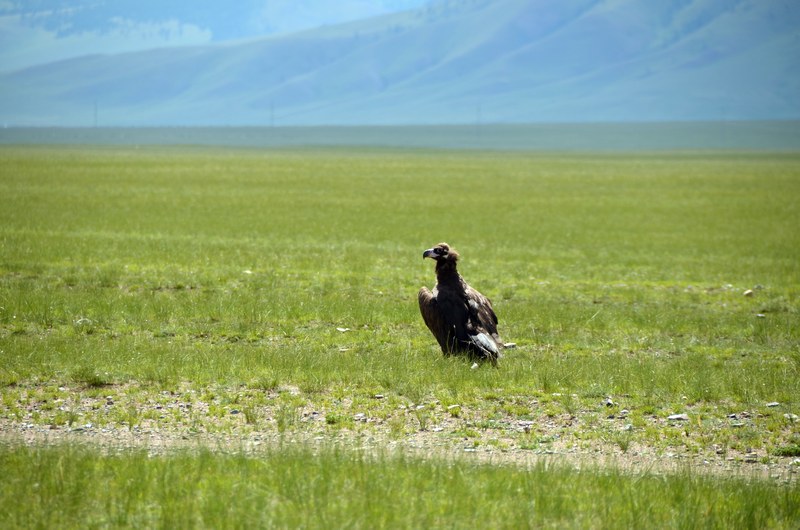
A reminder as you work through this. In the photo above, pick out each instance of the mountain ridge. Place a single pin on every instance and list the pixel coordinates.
(502, 61)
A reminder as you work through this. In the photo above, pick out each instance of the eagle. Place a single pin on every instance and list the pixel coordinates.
(461, 318)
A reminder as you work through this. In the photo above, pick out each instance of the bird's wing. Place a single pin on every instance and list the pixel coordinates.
(455, 321)
(433, 317)
(466, 332)
(482, 313)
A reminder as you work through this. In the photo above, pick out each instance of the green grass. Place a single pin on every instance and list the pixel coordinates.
(72, 487)
(202, 291)
(229, 265)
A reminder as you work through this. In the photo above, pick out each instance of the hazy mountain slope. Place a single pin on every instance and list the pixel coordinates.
(456, 62)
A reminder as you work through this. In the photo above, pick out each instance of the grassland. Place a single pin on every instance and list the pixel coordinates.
(68, 487)
(242, 298)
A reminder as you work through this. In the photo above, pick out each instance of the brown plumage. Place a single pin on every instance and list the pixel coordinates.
(461, 318)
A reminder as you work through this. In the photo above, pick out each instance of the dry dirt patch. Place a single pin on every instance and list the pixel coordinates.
(121, 417)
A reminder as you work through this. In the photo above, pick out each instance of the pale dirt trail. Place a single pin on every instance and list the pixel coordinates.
(422, 444)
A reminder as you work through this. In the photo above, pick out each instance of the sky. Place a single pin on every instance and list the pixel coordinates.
(41, 31)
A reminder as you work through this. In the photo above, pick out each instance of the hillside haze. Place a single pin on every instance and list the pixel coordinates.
(454, 62)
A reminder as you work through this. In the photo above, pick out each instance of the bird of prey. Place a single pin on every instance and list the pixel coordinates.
(461, 318)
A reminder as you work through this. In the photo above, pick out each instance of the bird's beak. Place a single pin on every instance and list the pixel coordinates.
(428, 254)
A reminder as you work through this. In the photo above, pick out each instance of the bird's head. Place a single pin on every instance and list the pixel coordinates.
(441, 252)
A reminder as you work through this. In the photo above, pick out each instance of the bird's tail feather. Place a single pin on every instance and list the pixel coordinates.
(486, 346)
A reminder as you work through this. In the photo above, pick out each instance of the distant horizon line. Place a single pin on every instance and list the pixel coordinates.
(727, 135)
(412, 125)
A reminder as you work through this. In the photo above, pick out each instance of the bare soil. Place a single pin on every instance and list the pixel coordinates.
(164, 422)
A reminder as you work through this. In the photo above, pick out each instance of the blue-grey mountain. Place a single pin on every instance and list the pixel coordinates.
(454, 62)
